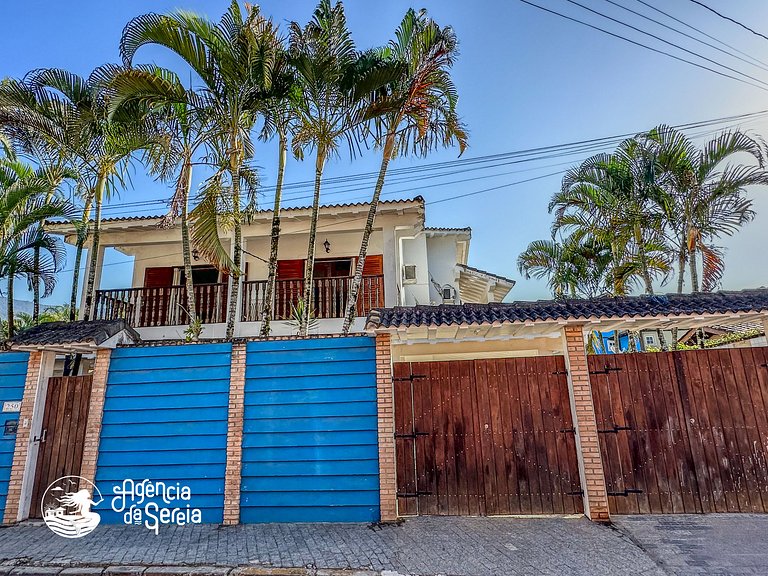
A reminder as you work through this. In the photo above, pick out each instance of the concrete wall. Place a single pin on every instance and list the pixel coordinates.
(441, 259)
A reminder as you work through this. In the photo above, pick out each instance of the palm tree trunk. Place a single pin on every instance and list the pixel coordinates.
(680, 283)
(237, 253)
(185, 180)
(94, 252)
(36, 287)
(10, 306)
(78, 260)
(309, 268)
(349, 314)
(269, 293)
(694, 270)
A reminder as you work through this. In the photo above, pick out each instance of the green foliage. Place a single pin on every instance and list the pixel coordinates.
(302, 315)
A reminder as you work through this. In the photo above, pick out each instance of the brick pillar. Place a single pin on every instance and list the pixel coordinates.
(234, 435)
(95, 414)
(583, 410)
(39, 368)
(386, 417)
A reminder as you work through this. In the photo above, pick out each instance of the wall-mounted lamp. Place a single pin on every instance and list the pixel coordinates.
(195, 254)
(327, 246)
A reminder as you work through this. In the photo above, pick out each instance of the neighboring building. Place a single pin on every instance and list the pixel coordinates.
(408, 264)
(741, 335)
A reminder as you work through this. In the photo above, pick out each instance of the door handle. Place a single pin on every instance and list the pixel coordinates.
(41, 439)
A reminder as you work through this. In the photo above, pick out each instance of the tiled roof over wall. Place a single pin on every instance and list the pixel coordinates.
(755, 300)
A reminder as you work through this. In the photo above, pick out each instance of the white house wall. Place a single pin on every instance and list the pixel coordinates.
(414, 252)
(441, 259)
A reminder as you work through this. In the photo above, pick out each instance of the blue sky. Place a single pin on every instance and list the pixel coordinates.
(526, 79)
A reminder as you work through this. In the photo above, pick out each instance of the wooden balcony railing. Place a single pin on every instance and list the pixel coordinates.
(163, 306)
(329, 299)
(167, 306)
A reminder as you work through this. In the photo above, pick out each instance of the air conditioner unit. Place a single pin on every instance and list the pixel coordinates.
(449, 294)
(409, 273)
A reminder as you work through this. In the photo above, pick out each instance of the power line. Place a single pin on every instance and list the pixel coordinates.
(636, 29)
(619, 36)
(692, 27)
(529, 155)
(691, 36)
(724, 17)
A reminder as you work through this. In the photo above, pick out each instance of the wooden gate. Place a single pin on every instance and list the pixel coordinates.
(485, 437)
(683, 432)
(62, 434)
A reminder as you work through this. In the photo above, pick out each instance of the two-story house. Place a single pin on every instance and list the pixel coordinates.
(407, 264)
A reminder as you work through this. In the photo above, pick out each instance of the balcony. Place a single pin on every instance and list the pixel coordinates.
(167, 306)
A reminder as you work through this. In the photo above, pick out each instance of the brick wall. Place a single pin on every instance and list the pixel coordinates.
(583, 409)
(95, 414)
(386, 418)
(235, 435)
(21, 450)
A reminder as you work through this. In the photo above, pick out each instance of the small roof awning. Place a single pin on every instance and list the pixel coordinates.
(480, 286)
(545, 318)
(82, 336)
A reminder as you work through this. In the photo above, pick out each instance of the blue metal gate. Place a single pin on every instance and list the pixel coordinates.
(13, 373)
(310, 446)
(165, 419)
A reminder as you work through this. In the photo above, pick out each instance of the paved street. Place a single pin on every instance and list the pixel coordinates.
(717, 544)
(425, 546)
(687, 545)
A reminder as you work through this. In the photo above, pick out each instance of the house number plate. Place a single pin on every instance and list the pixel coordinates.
(12, 406)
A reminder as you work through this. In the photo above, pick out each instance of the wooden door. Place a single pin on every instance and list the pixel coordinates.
(62, 434)
(683, 432)
(485, 437)
(156, 296)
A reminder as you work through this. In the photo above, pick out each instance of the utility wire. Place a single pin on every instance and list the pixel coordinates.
(669, 43)
(724, 17)
(691, 36)
(692, 27)
(619, 36)
(531, 154)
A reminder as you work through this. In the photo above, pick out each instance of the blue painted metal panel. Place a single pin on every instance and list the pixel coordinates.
(13, 373)
(165, 419)
(310, 444)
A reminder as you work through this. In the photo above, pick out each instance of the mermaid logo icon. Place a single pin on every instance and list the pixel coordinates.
(66, 506)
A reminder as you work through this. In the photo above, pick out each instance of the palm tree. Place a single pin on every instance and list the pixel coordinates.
(704, 197)
(155, 91)
(335, 82)
(572, 269)
(234, 61)
(67, 115)
(413, 114)
(26, 250)
(279, 120)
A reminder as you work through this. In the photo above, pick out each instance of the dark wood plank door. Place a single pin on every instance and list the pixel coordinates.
(62, 436)
(683, 432)
(485, 437)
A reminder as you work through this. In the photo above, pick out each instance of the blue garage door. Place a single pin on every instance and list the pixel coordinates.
(13, 373)
(310, 432)
(165, 419)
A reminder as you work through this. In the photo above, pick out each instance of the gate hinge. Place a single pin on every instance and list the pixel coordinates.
(560, 372)
(570, 430)
(606, 370)
(575, 493)
(413, 494)
(412, 435)
(626, 492)
(410, 378)
(614, 430)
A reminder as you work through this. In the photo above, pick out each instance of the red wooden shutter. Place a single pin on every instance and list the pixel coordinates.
(158, 277)
(290, 269)
(374, 265)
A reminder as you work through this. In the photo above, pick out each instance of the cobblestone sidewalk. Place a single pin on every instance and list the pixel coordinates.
(687, 545)
(423, 546)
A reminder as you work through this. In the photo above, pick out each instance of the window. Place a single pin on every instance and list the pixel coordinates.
(335, 268)
(650, 339)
